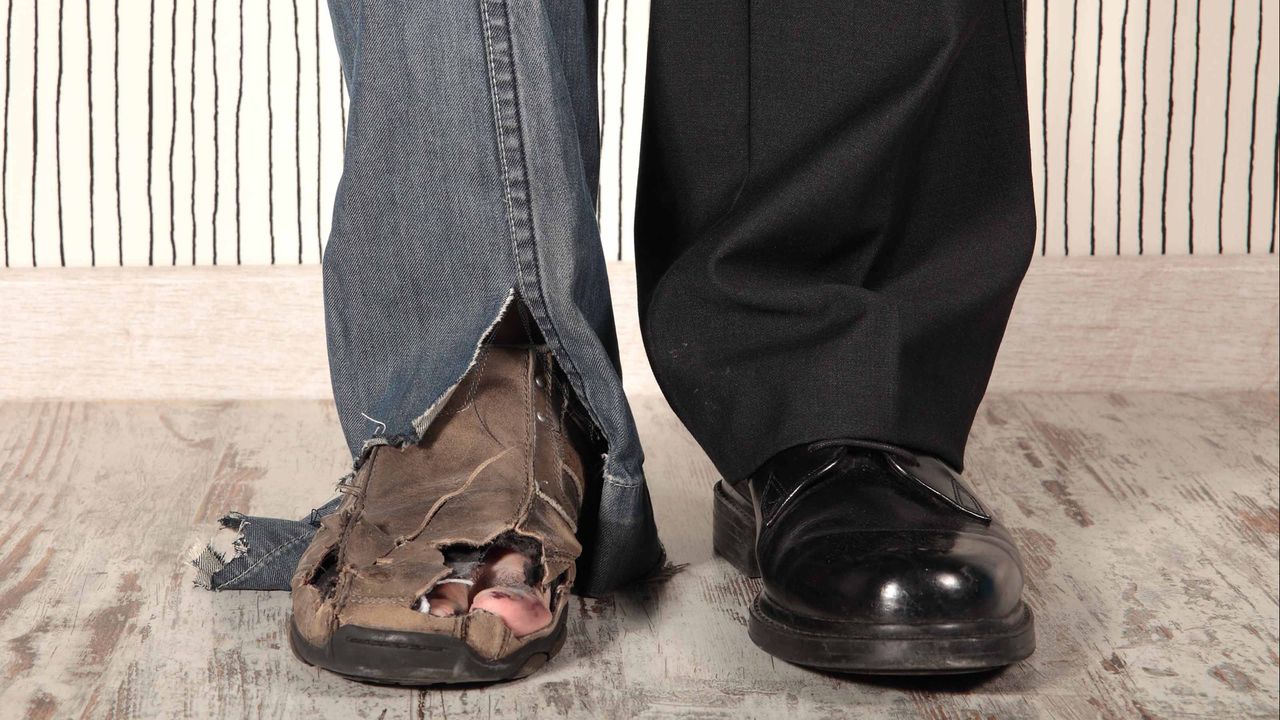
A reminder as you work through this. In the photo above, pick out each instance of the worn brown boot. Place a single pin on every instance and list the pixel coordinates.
(498, 473)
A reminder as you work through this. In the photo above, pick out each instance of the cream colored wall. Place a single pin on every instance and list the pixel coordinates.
(1204, 150)
(186, 192)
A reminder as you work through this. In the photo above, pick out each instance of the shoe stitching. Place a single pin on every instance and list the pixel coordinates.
(440, 503)
(579, 482)
(381, 599)
(530, 448)
(554, 505)
(353, 514)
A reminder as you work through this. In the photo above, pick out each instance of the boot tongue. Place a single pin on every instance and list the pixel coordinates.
(791, 473)
(794, 463)
(804, 460)
(928, 473)
(938, 478)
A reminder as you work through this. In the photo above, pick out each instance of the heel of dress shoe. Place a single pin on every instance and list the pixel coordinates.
(733, 534)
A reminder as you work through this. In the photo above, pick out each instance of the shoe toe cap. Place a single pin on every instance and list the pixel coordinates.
(898, 578)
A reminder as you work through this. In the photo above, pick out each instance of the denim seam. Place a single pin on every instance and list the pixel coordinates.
(506, 101)
(276, 551)
(354, 95)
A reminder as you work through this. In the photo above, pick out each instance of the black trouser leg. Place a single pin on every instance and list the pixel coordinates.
(835, 212)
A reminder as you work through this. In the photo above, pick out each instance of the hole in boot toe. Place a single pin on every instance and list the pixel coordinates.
(503, 575)
(325, 577)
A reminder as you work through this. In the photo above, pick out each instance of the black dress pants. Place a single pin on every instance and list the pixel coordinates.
(835, 212)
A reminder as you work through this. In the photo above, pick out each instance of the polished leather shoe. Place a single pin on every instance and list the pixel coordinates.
(874, 560)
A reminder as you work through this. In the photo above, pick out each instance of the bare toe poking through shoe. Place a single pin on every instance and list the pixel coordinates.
(447, 599)
(504, 590)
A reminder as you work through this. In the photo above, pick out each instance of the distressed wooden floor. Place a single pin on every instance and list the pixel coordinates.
(1149, 524)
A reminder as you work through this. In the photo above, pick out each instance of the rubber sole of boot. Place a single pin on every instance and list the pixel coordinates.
(390, 657)
(860, 647)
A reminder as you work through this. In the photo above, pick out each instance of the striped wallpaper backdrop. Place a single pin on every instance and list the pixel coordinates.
(210, 131)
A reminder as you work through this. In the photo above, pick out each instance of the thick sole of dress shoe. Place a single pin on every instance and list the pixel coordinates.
(859, 647)
(389, 657)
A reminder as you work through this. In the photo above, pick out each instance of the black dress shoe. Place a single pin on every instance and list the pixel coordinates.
(874, 560)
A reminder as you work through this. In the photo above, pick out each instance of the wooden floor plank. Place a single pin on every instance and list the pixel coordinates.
(1149, 524)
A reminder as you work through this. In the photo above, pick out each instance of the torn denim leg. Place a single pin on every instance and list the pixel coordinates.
(459, 185)
(255, 553)
(261, 553)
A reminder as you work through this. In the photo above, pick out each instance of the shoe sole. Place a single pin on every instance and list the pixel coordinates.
(390, 657)
(857, 647)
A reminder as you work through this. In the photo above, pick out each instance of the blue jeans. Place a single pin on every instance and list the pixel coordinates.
(471, 163)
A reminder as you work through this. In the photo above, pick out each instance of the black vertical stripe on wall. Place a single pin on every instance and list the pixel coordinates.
(4, 171)
(319, 133)
(297, 124)
(239, 110)
(1191, 147)
(1226, 129)
(195, 40)
(622, 122)
(1253, 128)
(604, 92)
(151, 133)
(57, 138)
(1044, 140)
(271, 155)
(1066, 160)
(1142, 137)
(603, 89)
(1124, 101)
(115, 75)
(35, 122)
(1093, 143)
(173, 132)
(88, 25)
(1275, 177)
(217, 148)
(1168, 135)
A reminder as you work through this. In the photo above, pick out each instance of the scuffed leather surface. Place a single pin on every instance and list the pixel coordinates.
(496, 460)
